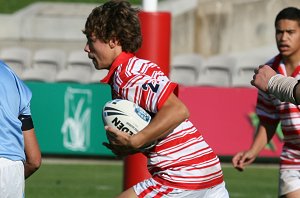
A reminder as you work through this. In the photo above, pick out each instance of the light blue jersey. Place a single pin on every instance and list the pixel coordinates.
(15, 99)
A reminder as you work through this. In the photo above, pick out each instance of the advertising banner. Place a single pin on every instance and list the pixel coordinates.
(68, 120)
(226, 117)
(67, 117)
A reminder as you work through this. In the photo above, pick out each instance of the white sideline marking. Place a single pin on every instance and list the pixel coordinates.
(81, 161)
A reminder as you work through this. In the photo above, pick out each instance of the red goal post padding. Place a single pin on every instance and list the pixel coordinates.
(156, 31)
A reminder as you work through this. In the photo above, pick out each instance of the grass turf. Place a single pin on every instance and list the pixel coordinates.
(14, 5)
(105, 180)
(75, 181)
(255, 181)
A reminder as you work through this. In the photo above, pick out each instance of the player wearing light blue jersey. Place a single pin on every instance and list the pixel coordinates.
(20, 155)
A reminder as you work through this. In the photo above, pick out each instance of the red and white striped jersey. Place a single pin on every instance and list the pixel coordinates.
(182, 159)
(273, 111)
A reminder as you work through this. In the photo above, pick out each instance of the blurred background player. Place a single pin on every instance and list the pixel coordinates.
(181, 164)
(20, 155)
(271, 110)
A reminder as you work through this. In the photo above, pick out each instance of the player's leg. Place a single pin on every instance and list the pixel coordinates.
(150, 188)
(129, 193)
(218, 191)
(289, 184)
(294, 194)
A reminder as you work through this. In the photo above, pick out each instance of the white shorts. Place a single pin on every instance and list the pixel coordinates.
(289, 181)
(150, 188)
(12, 180)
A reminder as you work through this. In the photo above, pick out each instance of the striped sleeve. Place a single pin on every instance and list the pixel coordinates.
(145, 84)
(265, 109)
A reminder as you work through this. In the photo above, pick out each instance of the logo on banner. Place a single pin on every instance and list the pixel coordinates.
(77, 119)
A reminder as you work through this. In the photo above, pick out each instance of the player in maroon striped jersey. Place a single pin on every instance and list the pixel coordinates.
(270, 108)
(182, 164)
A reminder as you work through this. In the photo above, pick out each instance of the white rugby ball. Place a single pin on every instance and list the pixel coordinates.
(125, 116)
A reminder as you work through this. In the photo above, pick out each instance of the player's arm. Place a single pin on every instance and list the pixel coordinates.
(296, 93)
(264, 134)
(282, 87)
(169, 116)
(32, 150)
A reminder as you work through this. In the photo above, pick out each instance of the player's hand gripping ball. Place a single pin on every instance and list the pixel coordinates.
(126, 116)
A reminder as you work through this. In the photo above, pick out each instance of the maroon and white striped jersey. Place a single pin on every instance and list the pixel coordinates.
(273, 111)
(182, 159)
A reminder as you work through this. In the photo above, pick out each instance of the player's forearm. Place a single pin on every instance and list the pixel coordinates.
(259, 143)
(167, 119)
(32, 152)
(284, 88)
(265, 133)
(297, 94)
(30, 168)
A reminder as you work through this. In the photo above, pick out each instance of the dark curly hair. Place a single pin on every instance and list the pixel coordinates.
(115, 20)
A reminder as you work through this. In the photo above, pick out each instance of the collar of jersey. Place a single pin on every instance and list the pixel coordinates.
(121, 59)
(279, 66)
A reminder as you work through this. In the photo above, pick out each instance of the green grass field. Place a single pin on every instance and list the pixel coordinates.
(104, 180)
(14, 5)
(75, 180)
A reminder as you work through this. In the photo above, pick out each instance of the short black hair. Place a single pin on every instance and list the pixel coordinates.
(289, 13)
